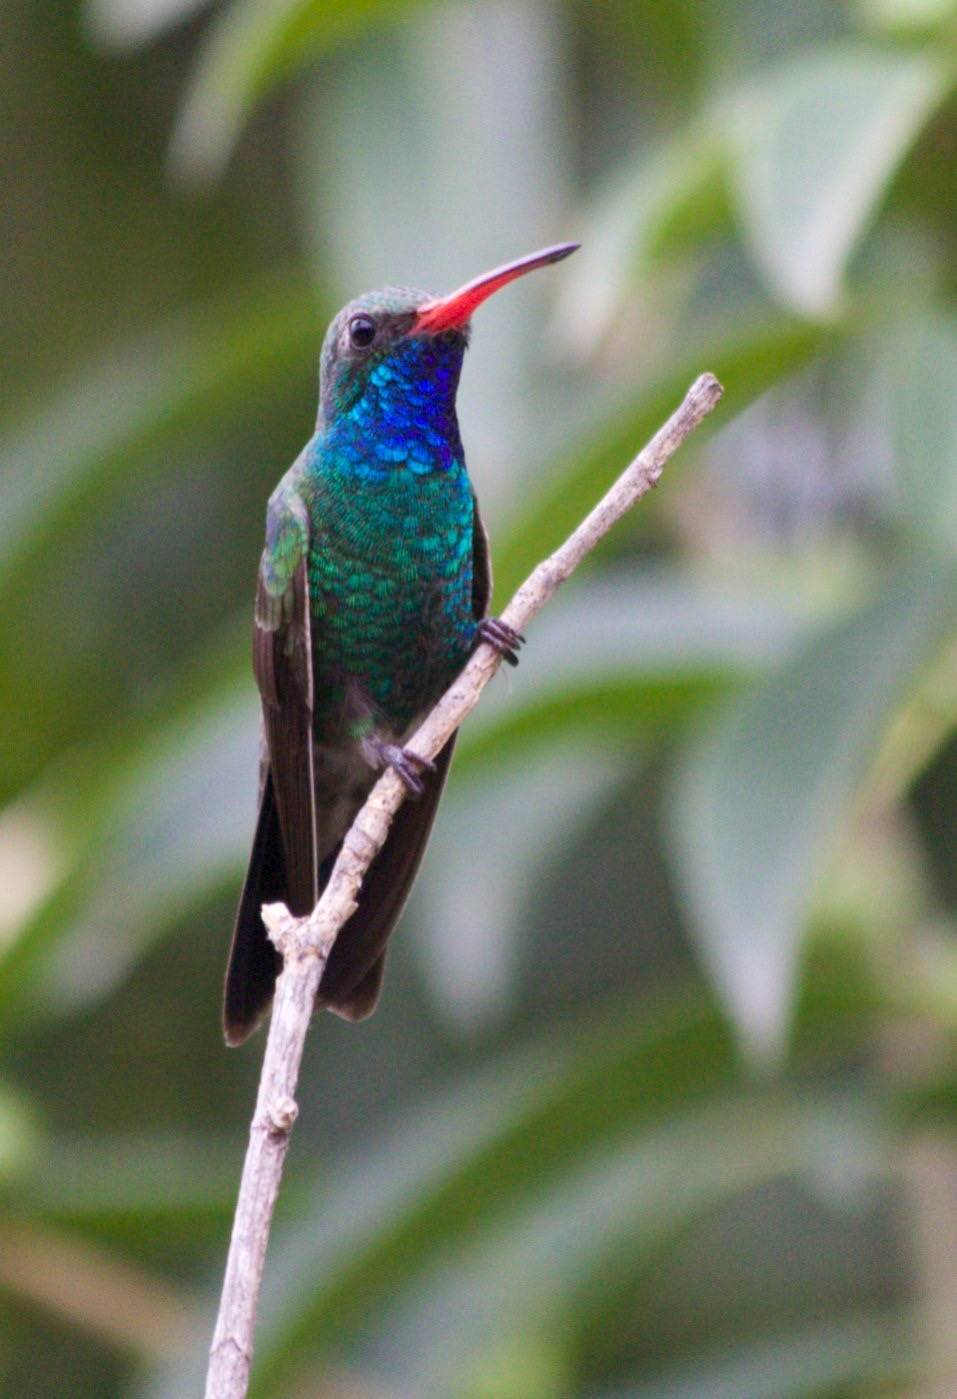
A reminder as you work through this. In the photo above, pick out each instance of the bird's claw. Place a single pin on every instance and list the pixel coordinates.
(503, 638)
(407, 764)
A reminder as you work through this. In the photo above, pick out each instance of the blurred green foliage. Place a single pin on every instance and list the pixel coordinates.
(660, 1100)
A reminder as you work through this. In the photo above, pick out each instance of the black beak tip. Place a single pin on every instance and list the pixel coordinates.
(563, 250)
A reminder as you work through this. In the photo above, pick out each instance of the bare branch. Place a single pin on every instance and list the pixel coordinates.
(305, 943)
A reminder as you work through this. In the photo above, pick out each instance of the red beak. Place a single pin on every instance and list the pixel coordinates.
(455, 311)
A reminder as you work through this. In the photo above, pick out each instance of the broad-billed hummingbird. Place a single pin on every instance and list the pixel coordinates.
(373, 591)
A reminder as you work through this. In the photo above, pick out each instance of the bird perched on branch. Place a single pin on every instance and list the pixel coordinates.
(373, 591)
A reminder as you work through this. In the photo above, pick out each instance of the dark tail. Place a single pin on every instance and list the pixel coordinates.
(353, 976)
(254, 963)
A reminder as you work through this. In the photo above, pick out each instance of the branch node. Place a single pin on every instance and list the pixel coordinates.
(281, 1115)
(281, 926)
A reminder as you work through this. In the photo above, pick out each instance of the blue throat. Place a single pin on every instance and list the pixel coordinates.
(400, 411)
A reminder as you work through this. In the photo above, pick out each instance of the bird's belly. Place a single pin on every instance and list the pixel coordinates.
(343, 780)
(385, 649)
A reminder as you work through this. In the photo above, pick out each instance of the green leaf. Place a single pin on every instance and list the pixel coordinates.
(143, 1180)
(869, 1354)
(633, 225)
(508, 824)
(178, 815)
(200, 366)
(906, 14)
(19, 1136)
(818, 141)
(758, 797)
(619, 655)
(130, 24)
(34, 856)
(747, 359)
(918, 371)
(249, 49)
(543, 1269)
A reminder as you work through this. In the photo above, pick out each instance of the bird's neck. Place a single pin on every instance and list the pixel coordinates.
(405, 414)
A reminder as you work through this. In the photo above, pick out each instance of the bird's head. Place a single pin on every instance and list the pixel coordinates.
(405, 342)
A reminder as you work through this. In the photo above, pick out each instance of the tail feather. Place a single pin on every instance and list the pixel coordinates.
(254, 962)
(352, 980)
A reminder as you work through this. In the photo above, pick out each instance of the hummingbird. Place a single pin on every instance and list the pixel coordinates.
(373, 591)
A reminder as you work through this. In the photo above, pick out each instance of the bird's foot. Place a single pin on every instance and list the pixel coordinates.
(410, 766)
(505, 639)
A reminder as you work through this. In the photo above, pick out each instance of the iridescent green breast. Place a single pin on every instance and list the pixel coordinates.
(390, 571)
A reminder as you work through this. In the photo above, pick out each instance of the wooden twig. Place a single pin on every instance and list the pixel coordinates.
(305, 943)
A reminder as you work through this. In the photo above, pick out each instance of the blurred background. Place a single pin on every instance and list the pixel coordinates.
(661, 1097)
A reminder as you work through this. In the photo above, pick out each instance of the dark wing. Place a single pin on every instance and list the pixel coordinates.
(481, 567)
(353, 977)
(282, 663)
(283, 858)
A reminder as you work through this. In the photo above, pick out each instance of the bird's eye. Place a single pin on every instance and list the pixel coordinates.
(362, 331)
